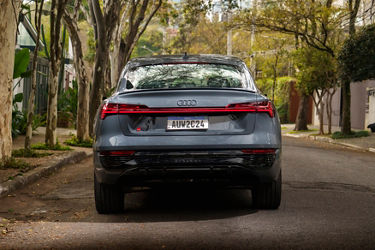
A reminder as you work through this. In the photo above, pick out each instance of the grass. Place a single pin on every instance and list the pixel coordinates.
(283, 128)
(28, 153)
(354, 134)
(57, 147)
(73, 141)
(14, 163)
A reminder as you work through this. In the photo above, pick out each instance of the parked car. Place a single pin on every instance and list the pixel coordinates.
(192, 119)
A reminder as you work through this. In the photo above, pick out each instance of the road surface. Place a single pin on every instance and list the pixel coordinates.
(328, 202)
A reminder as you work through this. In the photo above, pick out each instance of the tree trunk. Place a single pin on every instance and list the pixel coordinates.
(83, 97)
(57, 8)
(30, 112)
(321, 118)
(301, 121)
(345, 116)
(329, 109)
(83, 85)
(8, 27)
(51, 125)
(345, 122)
(98, 85)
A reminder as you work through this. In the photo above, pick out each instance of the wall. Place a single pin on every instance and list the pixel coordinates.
(359, 105)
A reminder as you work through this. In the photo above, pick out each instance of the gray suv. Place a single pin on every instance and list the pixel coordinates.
(186, 120)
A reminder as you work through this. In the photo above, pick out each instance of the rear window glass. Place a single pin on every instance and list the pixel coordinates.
(164, 76)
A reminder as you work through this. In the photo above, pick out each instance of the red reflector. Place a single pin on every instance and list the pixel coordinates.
(117, 153)
(259, 151)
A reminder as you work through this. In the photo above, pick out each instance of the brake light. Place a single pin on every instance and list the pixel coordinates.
(117, 153)
(264, 106)
(115, 108)
(259, 151)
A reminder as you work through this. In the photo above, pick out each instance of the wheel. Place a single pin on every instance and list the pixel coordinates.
(267, 195)
(108, 198)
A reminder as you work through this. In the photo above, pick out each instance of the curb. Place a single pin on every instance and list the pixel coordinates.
(44, 170)
(330, 140)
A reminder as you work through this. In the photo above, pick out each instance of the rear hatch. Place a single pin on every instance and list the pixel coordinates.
(185, 112)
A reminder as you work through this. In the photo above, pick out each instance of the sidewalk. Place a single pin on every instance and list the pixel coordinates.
(362, 143)
(12, 179)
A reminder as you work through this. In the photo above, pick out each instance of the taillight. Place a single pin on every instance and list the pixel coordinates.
(117, 153)
(259, 151)
(115, 108)
(264, 106)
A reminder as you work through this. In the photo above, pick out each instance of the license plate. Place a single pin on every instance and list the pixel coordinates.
(187, 123)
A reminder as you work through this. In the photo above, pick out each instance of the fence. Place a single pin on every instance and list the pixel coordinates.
(41, 95)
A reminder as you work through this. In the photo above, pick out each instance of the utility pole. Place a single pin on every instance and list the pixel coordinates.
(254, 4)
(229, 35)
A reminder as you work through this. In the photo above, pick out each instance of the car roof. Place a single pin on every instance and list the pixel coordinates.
(201, 58)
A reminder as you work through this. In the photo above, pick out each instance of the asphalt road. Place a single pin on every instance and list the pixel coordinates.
(328, 202)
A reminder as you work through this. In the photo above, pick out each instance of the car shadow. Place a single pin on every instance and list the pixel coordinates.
(183, 204)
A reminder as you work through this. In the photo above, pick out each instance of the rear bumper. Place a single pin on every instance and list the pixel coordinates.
(223, 167)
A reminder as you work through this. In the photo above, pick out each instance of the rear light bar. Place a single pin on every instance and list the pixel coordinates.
(259, 151)
(114, 108)
(117, 153)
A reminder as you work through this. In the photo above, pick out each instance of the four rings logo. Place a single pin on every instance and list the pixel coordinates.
(186, 103)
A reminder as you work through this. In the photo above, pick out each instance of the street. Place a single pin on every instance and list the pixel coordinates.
(328, 202)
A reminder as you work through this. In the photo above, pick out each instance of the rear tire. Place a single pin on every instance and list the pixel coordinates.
(108, 198)
(267, 195)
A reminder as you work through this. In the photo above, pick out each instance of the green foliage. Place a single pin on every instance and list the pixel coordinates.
(28, 153)
(354, 134)
(357, 56)
(150, 43)
(21, 62)
(13, 163)
(317, 70)
(57, 147)
(281, 101)
(19, 118)
(73, 141)
(68, 101)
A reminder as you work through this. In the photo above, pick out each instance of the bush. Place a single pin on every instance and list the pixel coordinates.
(356, 134)
(73, 141)
(14, 164)
(19, 118)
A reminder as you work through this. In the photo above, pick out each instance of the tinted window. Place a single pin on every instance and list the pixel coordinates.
(163, 76)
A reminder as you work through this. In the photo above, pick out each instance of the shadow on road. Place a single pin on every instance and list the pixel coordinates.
(162, 205)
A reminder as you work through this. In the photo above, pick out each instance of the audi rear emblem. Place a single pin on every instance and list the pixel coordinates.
(186, 103)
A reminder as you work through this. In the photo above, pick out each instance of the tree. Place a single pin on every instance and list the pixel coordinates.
(56, 13)
(117, 23)
(316, 76)
(310, 22)
(104, 20)
(357, 63)
(71, 21)
(353, 6)
(135, 18)
(8, 26)
(30, 113)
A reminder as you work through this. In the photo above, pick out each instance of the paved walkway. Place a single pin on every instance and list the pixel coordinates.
(362, 143)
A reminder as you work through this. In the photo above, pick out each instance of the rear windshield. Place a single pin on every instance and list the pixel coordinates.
(164, 76)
